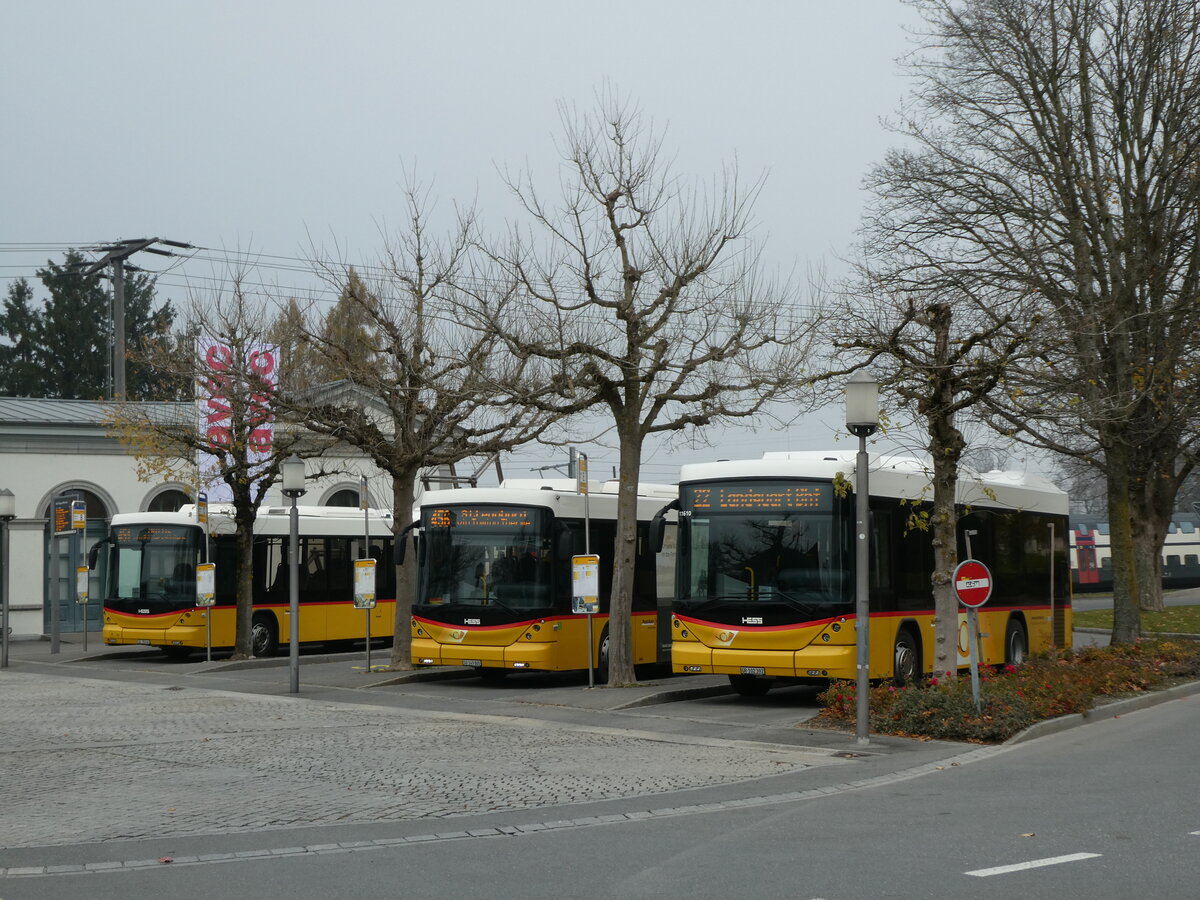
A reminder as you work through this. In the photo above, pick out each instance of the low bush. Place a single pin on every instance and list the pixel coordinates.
(1013, 698)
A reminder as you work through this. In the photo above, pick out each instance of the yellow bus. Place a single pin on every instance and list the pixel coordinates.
(766, 568)
(495, 574)
(147, 566)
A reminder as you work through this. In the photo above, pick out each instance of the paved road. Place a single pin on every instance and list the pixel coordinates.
(1186, 597)
(114, 762)
(1103, 811)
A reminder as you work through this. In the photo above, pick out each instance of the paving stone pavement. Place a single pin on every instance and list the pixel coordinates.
(86, 760)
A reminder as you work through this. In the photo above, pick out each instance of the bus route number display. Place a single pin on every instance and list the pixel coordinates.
(480, 517)
(751, 497)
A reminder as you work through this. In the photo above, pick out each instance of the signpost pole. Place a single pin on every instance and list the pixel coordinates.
(362, 502)
(1053, 641)
(973, 586)
(585, 590)
(582, 486)
(973, 625)
(202, 518)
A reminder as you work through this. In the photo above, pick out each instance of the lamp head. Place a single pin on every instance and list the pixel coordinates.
(293, 476)
(862, 403)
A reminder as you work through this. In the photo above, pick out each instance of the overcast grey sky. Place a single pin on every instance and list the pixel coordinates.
(253, 125)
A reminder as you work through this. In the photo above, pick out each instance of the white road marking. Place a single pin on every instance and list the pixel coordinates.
(1032, 864)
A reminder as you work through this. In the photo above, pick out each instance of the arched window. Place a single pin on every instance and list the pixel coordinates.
(168, 501)
(97, 509)
(343, 497)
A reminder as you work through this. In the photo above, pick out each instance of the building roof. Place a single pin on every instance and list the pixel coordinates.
(42, 411)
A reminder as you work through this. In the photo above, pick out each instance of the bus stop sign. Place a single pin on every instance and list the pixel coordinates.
(972, 583)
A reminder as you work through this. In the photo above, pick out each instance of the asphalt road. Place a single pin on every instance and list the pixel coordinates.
(129, 776)
(1103, 811)
(1187, 597)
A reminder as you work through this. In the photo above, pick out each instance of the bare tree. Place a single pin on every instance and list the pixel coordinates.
(1051, 152)
(419, 389)
(643, 297)
(230, 440)
(937, 365)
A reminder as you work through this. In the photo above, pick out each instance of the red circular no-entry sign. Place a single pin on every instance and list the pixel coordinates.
(972, 583)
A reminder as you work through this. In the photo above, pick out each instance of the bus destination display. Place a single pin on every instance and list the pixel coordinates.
(481, 517)
(759, 496)
(151, 534)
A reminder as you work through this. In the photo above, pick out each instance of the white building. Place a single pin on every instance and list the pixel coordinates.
(51, 447)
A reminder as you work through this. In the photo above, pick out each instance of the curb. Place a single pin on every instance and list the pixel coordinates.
(1152, 635)
(1111, 710)
(674, 695)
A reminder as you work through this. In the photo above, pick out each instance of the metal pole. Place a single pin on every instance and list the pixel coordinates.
(1053, 639)
(76, 540)
(366, 553)
(5, 526)
(862, 601)
(55, 613)
(294, 599)
(119, 328)
(973, 628)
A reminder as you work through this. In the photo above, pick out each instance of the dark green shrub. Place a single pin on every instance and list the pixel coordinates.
(1012, 699)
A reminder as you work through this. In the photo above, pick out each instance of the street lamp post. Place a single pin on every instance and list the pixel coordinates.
(862, 418)
(8, 512)
(293, 487)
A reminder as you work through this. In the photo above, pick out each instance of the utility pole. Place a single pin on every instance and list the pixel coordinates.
(117, 254)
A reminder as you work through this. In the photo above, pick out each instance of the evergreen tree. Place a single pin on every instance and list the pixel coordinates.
(148, 336)
(61, 348)
(74, 339)
(20, 342)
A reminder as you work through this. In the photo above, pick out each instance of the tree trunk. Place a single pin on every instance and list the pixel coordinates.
(944, 523)
(946, 446)
(1148, 534)
(1127, 623)
(620, 637)
(244, 614)
(403, 494)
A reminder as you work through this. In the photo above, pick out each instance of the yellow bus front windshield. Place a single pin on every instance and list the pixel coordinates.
(742, 551)
(152, 568)
(498, 557)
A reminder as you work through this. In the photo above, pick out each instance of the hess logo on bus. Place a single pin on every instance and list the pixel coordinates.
(752, 620)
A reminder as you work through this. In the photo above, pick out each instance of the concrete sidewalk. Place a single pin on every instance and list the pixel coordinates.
(349, 671)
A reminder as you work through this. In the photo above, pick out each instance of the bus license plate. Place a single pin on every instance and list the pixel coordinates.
(472, 662)
(753, 670)
(144, 641)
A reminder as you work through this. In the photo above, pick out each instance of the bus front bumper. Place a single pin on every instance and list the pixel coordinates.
(531, 655)
(815, 661)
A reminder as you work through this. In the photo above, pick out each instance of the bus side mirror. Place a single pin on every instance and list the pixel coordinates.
(402, 542)
(94, 553)
(658, 526)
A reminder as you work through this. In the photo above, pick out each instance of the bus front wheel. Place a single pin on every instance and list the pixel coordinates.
(1016, 644)
(906, 658)
(264, 636)
(602, 658)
